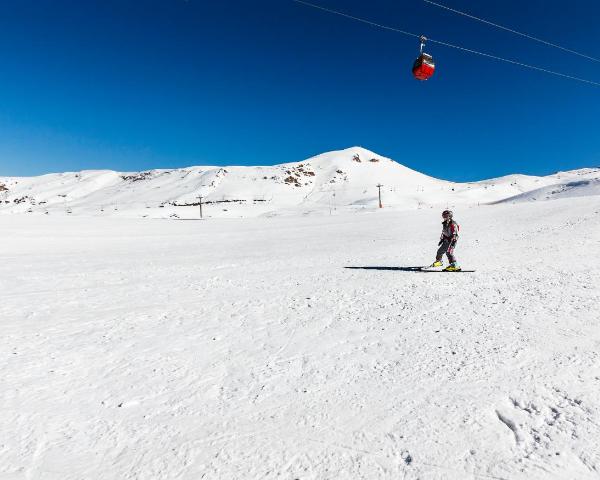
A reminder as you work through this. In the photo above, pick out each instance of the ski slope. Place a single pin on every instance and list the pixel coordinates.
(339, 181)
(297, 347)
(576, 188)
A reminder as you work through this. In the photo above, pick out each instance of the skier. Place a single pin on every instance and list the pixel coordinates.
(447, 243)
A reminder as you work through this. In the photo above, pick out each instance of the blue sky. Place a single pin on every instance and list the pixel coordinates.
(134, 85)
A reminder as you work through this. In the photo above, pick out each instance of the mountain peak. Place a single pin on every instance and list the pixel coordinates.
(344, 179)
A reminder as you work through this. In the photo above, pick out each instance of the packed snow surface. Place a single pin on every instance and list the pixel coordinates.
(301, 347)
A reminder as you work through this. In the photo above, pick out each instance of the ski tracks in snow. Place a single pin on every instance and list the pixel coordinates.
(247, 350)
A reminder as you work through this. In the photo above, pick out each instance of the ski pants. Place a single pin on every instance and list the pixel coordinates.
(446, 248)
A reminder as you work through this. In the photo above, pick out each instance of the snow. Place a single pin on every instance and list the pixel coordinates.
(339, 181)
(294, 346)
(578, 188)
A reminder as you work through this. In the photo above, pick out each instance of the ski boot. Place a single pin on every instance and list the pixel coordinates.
(453, 267)
(437, 263)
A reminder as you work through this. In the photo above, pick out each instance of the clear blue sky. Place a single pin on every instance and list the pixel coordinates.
(133, 85)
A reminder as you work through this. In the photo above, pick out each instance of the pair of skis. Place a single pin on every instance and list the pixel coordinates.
(431, 268)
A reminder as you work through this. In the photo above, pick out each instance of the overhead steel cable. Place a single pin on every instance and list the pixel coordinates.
(469, 50)
(515, 62)
(385, 27)
(531, 37)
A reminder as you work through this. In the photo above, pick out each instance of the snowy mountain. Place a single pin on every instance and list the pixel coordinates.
(577, 188)
(305, 346)
(331, 182)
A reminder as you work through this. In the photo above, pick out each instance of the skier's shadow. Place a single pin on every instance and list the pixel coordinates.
(396, 269)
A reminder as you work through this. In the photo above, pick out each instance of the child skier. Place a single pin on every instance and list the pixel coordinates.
(447, 243)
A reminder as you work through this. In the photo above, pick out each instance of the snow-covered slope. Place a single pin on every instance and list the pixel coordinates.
(578, 188)
(301, 347)
(334, 181)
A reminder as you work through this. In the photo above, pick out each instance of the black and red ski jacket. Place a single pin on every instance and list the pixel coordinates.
(450, 231)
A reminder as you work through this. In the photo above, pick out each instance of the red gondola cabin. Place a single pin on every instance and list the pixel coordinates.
(423, 67)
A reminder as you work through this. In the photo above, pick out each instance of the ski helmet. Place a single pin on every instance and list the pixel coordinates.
(447, 213)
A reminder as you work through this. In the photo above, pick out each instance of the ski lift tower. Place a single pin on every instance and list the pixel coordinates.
(379, 185)
(199, 197)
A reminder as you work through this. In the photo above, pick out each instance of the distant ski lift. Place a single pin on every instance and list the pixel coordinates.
(424, 65)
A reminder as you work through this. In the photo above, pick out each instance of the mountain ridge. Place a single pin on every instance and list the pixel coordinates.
(344, 180)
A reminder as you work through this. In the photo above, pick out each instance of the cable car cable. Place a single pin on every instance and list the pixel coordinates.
(385, 27)
(488, 55)
(514, 62)
(531, 37)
